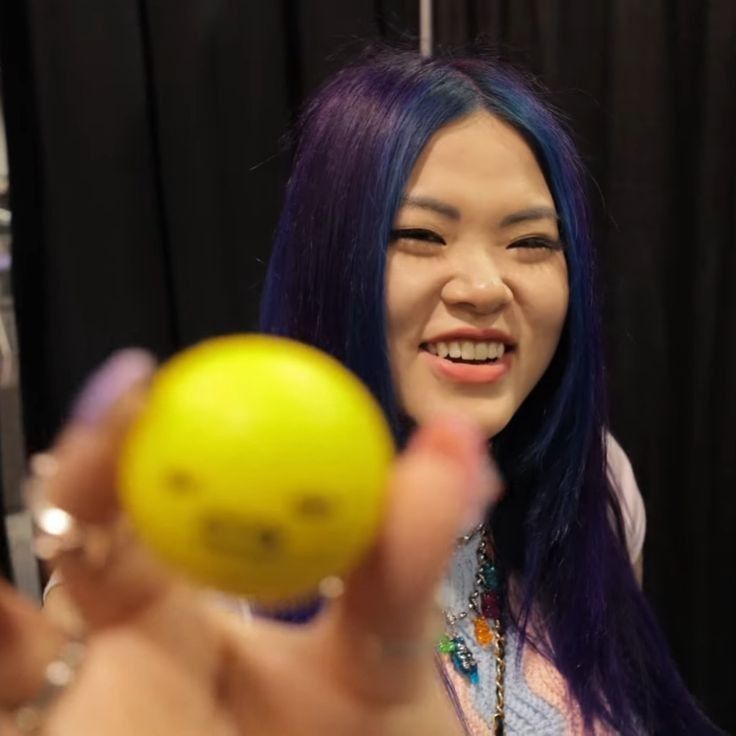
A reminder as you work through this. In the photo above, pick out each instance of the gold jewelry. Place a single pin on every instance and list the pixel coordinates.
(485, 602)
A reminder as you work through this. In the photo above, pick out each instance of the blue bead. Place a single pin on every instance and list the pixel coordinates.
(490, 576)
(464, 661)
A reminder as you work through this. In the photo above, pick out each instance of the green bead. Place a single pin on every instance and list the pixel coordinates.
(446, 645)
(490, 576)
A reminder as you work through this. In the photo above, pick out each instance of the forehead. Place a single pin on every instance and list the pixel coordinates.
(480, 160)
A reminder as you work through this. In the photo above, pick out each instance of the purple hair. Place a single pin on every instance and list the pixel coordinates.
(358, 141)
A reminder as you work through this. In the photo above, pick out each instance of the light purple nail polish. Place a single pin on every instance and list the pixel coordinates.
(115, 376)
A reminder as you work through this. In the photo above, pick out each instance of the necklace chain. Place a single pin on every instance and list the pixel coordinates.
(484, 601)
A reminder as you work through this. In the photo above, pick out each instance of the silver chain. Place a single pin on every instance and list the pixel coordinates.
(499, 640)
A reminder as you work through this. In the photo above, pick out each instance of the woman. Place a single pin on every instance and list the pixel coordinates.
(434, 238)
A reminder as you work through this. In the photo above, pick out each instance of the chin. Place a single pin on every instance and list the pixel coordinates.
(491, 418)
(489, 425)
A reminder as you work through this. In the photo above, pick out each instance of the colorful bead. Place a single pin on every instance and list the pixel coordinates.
(490, 605)
(464, 661)
(490, 576)
(483, 632)
(446, 645)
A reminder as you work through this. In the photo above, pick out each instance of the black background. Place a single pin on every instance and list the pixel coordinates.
(147, 162)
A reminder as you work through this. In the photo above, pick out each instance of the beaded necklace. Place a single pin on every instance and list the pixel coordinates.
(485, 606)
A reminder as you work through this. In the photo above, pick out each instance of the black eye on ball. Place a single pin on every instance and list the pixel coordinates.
(313, 506)
(180, 482)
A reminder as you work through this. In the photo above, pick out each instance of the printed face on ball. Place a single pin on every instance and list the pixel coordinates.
(258, 467)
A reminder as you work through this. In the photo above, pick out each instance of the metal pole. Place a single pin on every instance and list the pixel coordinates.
(426, 40)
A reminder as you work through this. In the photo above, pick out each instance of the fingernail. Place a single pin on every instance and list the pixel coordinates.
(118, 373)
(467, 445)
(459, 441)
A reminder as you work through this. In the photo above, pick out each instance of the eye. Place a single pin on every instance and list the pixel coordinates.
(537, 243)
(181, 482)
(313, 506)
(417, 234)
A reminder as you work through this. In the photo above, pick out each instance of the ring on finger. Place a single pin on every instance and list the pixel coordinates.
(56, 531)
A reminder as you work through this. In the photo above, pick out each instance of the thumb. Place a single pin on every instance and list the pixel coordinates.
(441, 485)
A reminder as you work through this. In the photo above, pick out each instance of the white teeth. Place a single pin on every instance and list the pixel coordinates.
(468, 350)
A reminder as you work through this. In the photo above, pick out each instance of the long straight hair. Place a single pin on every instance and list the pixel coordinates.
(559, 527)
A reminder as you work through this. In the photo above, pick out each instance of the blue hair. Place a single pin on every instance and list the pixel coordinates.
(559, 528)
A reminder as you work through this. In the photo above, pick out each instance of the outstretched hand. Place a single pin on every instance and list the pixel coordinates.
(161, 659)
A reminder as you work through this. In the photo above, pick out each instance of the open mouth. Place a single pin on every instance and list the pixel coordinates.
(469, 352)
(239, 538)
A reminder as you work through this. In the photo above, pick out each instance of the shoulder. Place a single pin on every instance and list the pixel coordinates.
(623, 480)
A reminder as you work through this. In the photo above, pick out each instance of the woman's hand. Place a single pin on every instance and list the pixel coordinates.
(162, 660)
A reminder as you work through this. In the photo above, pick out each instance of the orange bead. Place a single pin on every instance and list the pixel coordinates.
(483, 632)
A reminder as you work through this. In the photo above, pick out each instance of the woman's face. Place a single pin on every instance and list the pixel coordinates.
(477, 288)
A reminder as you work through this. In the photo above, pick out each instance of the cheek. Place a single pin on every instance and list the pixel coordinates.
(398, 309)
(545, 306)
(409, 301)
(396, 300)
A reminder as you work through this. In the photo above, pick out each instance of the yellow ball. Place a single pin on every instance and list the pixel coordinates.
(257, 467)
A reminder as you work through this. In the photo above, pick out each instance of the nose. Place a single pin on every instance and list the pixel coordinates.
(477, 285)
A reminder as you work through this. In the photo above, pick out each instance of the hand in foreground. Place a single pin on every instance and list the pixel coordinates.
(161, 660)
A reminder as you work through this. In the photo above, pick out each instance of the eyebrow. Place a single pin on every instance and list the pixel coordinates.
(453, 213)
(429, 203)
(530, 215)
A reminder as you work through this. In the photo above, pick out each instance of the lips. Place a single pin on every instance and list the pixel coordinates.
(469, 355)
(445, 369)
(474, 335)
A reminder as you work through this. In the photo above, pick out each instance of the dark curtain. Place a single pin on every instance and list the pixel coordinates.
(650, 92)
(147, 166)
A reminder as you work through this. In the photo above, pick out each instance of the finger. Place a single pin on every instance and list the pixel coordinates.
(382, 628)
(122, 592)
(113, 682)
(27, 643)
(112, 576)
(85, 482)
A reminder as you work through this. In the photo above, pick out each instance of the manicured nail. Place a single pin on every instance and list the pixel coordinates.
(120, 372)
(465, 444)
(459, 441)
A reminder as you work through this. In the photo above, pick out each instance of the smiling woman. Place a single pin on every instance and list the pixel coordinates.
(434, 238)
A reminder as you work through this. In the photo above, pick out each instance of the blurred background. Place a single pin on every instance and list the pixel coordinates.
(147, 158)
